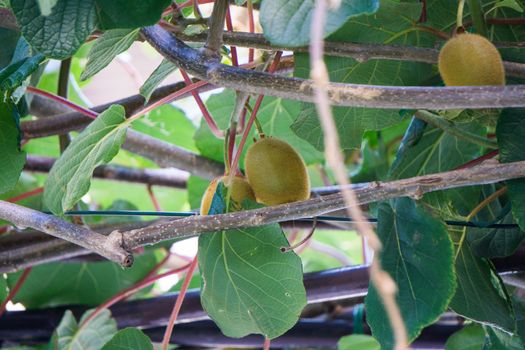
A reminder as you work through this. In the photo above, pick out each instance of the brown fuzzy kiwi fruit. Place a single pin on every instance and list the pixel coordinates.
(470, 60)
(276, 172)
(240, 190)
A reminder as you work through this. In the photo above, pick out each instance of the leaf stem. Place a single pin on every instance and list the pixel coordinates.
(229, 26)
(459, 16)
(132, 290)
(178, 303)
(16, 288)
(63, 101)
(452, 129)
(205, 113)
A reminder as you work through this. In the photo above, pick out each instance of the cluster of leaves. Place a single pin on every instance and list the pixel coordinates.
(249, 286)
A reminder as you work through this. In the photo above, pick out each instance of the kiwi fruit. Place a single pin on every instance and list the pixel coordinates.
(470, 60)
(239, 188)
(276, 172)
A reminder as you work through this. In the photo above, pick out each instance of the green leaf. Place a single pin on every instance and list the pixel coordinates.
(170, 124)
(129, 339)
(511, 140)
(248, 284)
(70, 176)
(196, 188)
(480, 295)
(288, 22)
(14, 75)
(46, 6)
(275, 115)
(69, 335)
(106, 48)
(418, 254)
(358, 341)
(472, 337)
(388, 25)
(427, 150)
(3, 289)
(9, 39)
(495, 242)
(60, 34)
(160, 73)
(79, 283)
(12, 159)
(129, 13)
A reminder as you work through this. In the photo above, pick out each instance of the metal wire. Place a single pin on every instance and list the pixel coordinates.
(309, 219)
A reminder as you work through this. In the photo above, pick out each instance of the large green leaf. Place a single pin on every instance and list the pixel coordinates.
(248, 284)
(129, 339)
(106, 48)
(79, 283)
(129, 13)
(426, 150)
(70, 335)
(12, 159)
(472, 337)
(288, 22)
(480, 294)
(70, 176)
(392, 19)
(165, 68)
(418, 254)
(275, 115)
(60, 34)
(511, 141)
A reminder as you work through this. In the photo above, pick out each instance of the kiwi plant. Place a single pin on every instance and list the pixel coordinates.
(470, 60)
(276, 172)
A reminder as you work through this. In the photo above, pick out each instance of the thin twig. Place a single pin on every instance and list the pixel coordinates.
(360, 51)
(214, 40)
(355, 95)
(383, 282)
(109, 247)
(178, 304)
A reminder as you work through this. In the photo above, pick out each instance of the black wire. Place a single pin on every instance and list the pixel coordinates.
(319, 218)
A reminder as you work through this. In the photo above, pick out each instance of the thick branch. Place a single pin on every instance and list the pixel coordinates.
(487, 172)
(159, 177)
(109, 247)
(359, 51)
(354, 95)
(170, 156)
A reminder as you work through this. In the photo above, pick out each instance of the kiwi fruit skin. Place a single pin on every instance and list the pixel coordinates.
(470, 60)
(240, 190)
(276, 172)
